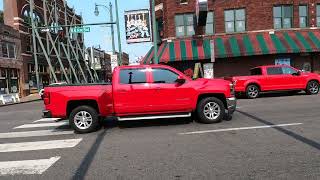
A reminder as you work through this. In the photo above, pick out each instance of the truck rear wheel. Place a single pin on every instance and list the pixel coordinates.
(312, 88)
(84, 119)
(252, 91)
(210, 110)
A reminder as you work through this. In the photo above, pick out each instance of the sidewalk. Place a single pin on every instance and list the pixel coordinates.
(30, 98)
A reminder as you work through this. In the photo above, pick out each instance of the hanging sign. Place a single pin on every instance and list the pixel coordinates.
(137, 24)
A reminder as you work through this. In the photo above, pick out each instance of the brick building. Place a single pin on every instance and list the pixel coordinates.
(17, 15)
(245, 34)
(11, 66)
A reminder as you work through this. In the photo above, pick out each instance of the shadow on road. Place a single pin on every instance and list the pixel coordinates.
(276, 94)
(87, 160)
(298, 137)
(112, 123)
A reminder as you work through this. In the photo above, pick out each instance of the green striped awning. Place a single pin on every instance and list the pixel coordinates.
(238, 45)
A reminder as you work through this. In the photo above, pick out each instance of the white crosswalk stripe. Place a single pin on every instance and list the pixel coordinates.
(47, 120)
(27, 166)
(57, 124)
(35, 166)
(39, 145)
(34, 134)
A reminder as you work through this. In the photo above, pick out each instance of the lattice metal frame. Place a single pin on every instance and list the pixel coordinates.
(52, 48)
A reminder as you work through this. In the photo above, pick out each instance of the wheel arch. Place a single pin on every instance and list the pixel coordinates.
(71, 105)
(220, 96)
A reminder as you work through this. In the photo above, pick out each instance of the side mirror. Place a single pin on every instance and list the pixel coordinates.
(181, 80)
(297, 73)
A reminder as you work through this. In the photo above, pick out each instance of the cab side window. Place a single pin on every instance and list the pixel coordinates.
(164, 76)
(133, 76)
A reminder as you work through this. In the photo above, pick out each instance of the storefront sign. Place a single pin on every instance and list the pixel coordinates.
(137, 25)
(208, 71)
(284, 61)
(114, 61)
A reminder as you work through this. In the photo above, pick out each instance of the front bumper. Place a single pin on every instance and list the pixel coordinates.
(232, 105)
(46, 114)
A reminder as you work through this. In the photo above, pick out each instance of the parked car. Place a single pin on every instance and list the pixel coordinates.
(276, 78)
(140, 92)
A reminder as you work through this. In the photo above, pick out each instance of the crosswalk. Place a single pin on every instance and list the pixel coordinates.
(42, 128)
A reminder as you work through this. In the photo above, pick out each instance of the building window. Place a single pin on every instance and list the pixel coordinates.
(303, 16)
(26, 15)
(282, 17)
(210, 23)
(235, 20)
(318, 15)
(184, 25)
(183, 1)
(8, 50)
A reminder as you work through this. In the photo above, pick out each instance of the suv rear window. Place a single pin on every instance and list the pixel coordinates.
(133, 76)
(256, 71)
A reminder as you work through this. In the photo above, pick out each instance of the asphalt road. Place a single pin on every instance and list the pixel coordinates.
(274, 137)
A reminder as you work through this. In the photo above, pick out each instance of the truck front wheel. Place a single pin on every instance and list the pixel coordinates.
(210, 110)
(84, 119)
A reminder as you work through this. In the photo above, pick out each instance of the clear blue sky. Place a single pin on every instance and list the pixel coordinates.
(102, 35)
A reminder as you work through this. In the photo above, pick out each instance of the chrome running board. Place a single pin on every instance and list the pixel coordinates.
(132, 118)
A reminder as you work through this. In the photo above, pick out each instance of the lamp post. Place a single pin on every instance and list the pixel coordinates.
(96, 12)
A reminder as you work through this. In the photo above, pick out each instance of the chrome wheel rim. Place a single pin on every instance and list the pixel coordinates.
(253, 92)
(314, 88)
(83, 120)
(212, 110)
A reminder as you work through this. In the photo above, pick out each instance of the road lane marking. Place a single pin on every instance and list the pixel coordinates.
(238, 129)
(57, 124)
(39, 145)
(47, 120)
(34, 134)
(29, 167)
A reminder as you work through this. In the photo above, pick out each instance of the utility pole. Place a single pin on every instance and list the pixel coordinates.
(34, 45)
(119, 37)
(112, 29)
(154, 28)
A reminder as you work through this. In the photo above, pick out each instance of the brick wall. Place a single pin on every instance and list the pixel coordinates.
(259, 13)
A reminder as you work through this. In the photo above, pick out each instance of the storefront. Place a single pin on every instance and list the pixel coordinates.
(235, 54)
(9, 81)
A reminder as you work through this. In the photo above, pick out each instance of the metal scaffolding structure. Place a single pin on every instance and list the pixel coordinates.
(68, 53)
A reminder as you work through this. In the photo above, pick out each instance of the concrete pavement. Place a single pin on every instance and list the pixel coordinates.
(273, 137)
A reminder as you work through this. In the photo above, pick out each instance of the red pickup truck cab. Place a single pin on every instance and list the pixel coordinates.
(276, 78)
(140, 92)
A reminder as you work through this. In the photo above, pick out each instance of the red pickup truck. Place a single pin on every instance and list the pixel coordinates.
(276, 78)
(140, 92)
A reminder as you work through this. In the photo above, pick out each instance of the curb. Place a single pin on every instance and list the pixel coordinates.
(5, 105)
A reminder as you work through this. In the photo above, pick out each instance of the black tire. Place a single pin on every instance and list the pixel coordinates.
(252, 91)
(95, 123)
(312, 88)
(202, 106)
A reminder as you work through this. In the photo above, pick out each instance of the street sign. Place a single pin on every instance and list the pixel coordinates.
(45, 30)
(114, 61)
(80, 29)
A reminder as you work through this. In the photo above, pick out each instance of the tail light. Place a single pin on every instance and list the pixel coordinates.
(46, 98)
